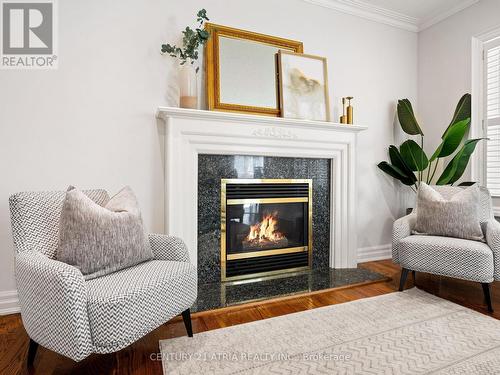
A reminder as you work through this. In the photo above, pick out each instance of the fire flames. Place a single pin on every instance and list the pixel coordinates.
(265, 233)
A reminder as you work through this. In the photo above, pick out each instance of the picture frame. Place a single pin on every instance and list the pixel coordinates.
(303, 86)
(227, 44)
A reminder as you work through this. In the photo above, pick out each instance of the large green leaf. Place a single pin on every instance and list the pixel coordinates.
(452, 139)
(456, 167)
(398, 161)
(462, 112)
(407, 119)
(397, 173)
(413, 155)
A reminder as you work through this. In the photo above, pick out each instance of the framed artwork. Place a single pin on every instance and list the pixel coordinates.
(241, 70)
(303, 86)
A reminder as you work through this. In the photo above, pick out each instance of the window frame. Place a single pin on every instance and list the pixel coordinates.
(479, 125)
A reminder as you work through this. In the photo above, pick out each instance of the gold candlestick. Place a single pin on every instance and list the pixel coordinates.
(350, 111)
(343, 118)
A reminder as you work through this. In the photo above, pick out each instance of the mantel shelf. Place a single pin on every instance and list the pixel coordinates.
(166, 112)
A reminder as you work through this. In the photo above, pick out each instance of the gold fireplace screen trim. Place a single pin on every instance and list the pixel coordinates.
(264, 253)
(224, 203)
(266, 200)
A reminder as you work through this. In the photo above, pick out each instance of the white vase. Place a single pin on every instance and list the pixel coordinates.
(188, 86)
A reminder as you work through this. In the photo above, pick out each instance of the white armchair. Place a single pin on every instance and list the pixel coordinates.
(453, 257)
(63, 312)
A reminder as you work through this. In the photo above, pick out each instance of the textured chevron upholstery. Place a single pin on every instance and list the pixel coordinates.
(63, 312)
(35, 218)
(53, 303)
(448, 257)
(464, 259)
(401, 229)
(493, 240)
(128, 304)
(168, 248)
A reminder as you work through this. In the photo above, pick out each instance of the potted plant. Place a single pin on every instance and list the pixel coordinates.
(192, 40)
(410, 164)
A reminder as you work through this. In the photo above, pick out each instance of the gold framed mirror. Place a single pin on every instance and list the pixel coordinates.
(241, 70)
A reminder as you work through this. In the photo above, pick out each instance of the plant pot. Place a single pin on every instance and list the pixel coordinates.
(188, 87)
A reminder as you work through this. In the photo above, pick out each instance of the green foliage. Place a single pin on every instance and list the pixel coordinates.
(411, 156)
(462, 112)
(191, 42)
(457, 165)
(452, 138)
(398, 167)
(407, 119)
(395, 172)
(414, 156)
(398, 161)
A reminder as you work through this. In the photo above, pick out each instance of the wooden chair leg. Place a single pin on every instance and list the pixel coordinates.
(32, 349)
(487, 296)
(402, 280)
(186, 316)
(414, 274)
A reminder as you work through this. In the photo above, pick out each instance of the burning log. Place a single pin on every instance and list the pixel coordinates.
(265, 235)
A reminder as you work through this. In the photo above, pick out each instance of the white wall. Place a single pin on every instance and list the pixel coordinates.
(444, 70)
(91, 122)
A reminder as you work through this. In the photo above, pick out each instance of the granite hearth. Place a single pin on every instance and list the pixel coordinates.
(219, 295)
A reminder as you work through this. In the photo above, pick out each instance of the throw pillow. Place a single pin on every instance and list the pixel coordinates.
(101, 240)
(457, 217)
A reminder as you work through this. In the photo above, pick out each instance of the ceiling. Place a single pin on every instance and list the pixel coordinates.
(413, 15)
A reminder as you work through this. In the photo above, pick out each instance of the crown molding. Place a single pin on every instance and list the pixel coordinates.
(436, 18)
(388, 17)
(370, 12)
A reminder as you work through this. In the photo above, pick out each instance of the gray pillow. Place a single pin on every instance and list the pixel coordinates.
(457, 217)
(100, 240)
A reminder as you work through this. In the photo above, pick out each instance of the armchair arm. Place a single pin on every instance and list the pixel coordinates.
(493, 241)
(53, 299)
(402, 228)
(166, 247)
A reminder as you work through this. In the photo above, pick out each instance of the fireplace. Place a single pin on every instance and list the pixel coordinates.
(266, 227)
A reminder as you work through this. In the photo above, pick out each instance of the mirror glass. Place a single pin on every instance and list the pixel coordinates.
(247, 73)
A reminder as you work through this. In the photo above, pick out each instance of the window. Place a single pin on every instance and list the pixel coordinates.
(491, 115)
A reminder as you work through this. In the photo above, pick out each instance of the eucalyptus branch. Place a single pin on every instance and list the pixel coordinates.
(191, 42)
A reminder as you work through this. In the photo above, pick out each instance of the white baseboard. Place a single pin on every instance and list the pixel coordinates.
(371, 253)
(9, 302)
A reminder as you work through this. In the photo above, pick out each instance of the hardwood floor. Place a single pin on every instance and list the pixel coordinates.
(136, 359)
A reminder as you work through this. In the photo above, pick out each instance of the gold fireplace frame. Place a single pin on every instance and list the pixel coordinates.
(223, 212)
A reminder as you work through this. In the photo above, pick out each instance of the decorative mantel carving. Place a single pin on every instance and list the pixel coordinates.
(193, 132)
(274, 132)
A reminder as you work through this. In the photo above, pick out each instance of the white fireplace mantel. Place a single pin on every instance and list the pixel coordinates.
(193, 132)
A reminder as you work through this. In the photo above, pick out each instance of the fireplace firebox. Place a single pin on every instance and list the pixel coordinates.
(266, 227)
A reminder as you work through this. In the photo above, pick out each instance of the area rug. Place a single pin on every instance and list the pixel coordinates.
(412, 332)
